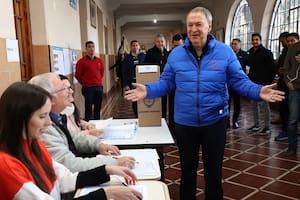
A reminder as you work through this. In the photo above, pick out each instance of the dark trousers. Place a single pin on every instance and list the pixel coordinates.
(212, 140)
(164, 106)
(171, 113)
(134, 104)
(284, 104)
(92, 98)
(135, 108)
(236, 105)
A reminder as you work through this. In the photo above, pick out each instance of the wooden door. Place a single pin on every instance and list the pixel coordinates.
(23, 35)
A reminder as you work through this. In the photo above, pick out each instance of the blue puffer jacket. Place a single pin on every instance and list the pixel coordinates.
(201, 96)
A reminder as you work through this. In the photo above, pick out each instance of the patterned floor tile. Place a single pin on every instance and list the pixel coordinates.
(250, 157)
(284, 188)
(250, 180)
(261, 195)
(236, 191)
(237, 164)
(292, 177)
(266, 171)
(280, 163)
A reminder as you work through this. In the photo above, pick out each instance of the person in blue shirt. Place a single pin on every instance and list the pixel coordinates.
(128, 68)
(200, 71)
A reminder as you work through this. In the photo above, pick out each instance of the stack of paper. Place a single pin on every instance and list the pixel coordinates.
(84, 191)
(115, 131)
(102, 123)
(124, 131)
(147, 166)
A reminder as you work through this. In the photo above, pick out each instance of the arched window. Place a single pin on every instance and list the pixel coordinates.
(286, 17)
(242, 26)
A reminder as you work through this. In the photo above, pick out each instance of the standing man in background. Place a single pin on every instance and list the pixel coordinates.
(158, 55)
(128, 68)
(243, 59)
(283, 105)
(176, 41)
(89, 73)
(262, 71)
(291, 69)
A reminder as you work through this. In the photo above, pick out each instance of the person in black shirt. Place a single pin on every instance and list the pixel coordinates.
(262, 71)
(158, 55)
(243, 59)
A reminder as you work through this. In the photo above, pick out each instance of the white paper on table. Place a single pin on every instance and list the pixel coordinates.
(141, 188)
(115, 130)
(146, 169)
(140, 154)
(146, 162)
(125, 131)
(101, 124)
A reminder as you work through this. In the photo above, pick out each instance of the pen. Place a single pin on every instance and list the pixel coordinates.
(126, 185)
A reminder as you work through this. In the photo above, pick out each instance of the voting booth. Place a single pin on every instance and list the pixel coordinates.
(149, 110)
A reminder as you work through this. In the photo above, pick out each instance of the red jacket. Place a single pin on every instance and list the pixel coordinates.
(14, 174)
(90, 72)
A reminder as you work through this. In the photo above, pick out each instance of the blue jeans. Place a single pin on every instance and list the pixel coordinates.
(256, 111)
(294, 108)
(92, 97)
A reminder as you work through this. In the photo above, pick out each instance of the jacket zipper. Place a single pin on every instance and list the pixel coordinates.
(198, 88)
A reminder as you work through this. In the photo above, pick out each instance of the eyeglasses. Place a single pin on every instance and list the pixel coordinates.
(69, 88)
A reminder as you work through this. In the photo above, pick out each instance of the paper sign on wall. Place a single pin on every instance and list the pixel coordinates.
(12, 50)
(74, 61)
(58, 60)
(67, 62)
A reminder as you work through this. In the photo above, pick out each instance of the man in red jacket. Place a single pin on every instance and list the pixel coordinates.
(90, 72)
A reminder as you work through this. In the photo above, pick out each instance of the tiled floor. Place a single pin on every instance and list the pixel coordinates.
(254, 166)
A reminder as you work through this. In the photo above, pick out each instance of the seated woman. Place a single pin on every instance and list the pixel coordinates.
(26, 168)
(74, 122)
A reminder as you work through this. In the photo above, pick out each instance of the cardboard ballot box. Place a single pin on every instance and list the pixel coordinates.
(149, 110)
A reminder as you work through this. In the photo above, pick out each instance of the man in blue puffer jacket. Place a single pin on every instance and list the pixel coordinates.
(201, 69)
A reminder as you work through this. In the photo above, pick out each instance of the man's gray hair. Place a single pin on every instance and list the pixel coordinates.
(203, 10)
(160, 36)
(44, 81)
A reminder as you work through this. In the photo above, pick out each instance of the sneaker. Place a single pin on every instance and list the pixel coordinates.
(235, 125)
(254, 128)
(281, 136)
(265, 131)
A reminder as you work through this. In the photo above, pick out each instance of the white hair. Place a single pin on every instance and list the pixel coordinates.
(44, 81)
(203, 10)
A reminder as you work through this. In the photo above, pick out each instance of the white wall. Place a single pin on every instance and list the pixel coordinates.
(38, 23)
(7, 23)
(55, 22)
(62, 24)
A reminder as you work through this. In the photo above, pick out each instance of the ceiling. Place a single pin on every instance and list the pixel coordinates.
(135, 18)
